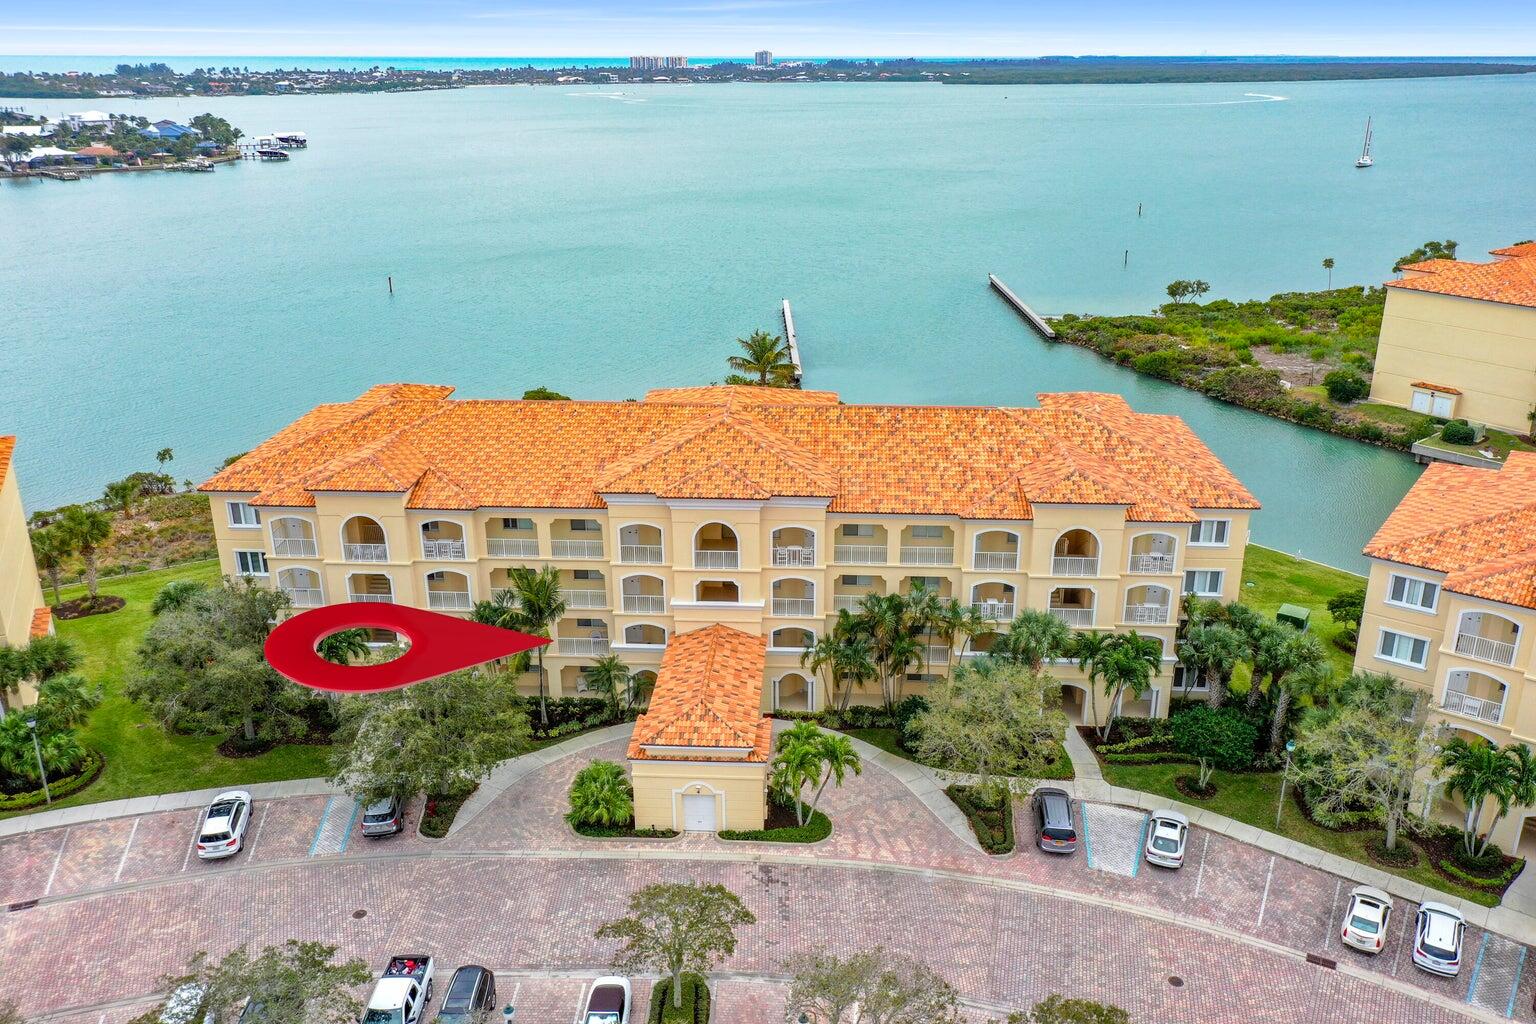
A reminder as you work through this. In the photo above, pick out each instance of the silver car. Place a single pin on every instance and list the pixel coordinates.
(1167, 834)
(1437, 933)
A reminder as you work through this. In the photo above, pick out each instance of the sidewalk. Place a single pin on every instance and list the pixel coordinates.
(133, 806)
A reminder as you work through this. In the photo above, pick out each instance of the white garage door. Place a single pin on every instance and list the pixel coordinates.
(699, 813)
(1442, 406)
(1419, 402)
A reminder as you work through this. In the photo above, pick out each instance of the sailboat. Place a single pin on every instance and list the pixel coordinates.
(1365, 154)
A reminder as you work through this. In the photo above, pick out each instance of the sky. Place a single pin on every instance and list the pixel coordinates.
(538, 28)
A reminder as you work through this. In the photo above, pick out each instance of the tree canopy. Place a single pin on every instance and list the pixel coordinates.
(674, 928)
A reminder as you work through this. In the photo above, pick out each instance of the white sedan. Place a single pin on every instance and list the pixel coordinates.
(222, 833)
(608, 1002)
(1437, 936)
(1366, 919)
(1167, 835)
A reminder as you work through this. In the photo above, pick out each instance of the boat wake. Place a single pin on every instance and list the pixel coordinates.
(621, 97)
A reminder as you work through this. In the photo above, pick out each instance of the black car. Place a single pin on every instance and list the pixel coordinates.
(470, 995)
(1053, 820)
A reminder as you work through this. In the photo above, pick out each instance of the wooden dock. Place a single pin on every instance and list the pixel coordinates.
(793, 342)
(1035, 320)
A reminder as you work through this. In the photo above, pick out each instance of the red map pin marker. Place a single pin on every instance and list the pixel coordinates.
(439, 644)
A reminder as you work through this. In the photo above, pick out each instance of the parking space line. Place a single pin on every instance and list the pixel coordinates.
(1477, 968)
(1263, 903)
(1141, 848)
(250, 851)
(1200, 875)
(196, 831)
(1333, 913)
(1402, 945)
(357, 808)
(1509, 1011)
(123, 860)
(57, 858)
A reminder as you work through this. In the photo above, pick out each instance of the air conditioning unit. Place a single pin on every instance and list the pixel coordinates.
(1479, 432)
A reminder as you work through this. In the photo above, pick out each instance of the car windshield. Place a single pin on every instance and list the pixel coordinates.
(1364, 924)
(603, 1017)
(1165, 844)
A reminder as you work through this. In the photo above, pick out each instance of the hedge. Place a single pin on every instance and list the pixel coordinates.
(813, 831)
(1503, 878)
(440, 811)
(993, 839)
(1151, 757)
(61, 787)
(695, 1008)
(621, 831)
(1134, 743)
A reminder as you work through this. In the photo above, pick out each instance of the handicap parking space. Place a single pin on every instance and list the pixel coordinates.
(284, 829)
(1112, 837)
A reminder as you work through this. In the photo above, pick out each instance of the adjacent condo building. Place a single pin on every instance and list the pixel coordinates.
(1451, 606)
(23, 612)
(1458, 340)
(765, 510)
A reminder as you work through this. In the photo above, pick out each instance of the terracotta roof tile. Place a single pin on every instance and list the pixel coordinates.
(708, 695)
(1477, 526)
(975, 462)
(1442, 388)
(718, 394)
(1510, 279)
(42, 621)
(7, 449)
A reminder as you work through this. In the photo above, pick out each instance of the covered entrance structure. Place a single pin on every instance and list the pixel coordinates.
(699, 755)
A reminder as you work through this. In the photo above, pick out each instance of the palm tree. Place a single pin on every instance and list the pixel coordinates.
(601, 794)
(540, 606)
(164, 455)
(120, 495)
(1211, 651)
(923, 610)
(1127, 666)
(1090, 650)
(796, 764)
(13, 669)
(51, 549)
(66, 700)
(1297, 665)
(85, 529)
(1328, 266)
(767, 357)
(1477, 772)
(1522, 789)
(1036, 637)
(837, 759)
(609, 676)
(49, 656)
(842, 656)
(342, 647)
(954, 620)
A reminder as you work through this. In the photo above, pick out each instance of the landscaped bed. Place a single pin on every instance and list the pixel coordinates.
(626, 831)
(781, 827)
(695, 1008)
(437, 817)
(991, 818)
(1059, 765)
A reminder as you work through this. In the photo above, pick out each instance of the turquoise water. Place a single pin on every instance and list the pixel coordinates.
(603, 242)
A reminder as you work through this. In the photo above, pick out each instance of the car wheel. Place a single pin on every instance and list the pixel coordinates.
(429, 993)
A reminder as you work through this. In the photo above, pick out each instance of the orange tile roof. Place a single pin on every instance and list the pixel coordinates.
(708, 695)
(724, 394)
(969, 461)
(1510, 279)
(1477, 526)
(1442, 388)
(42, 621)
(7, 447)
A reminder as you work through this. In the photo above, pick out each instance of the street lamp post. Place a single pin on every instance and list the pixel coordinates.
(38, 750)
(1285, 774)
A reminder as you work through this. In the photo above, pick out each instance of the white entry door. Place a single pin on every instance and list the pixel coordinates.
(1442, 406)
(699, 813)
(1420, 401)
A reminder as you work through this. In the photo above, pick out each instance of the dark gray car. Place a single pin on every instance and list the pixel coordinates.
(1053, 820)
(470, 996)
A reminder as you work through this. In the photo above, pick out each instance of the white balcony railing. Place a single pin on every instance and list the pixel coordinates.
(994, 611)
(449, 600)
(442, 550)
(582, 647)
(365, 552)
(372, 598)
(1074, 616)
(793, 557)
(512, 547)
(924, 554)
(576, 549)
(496, 593)
(1147, 614)
(1146, 565)
(294, 547)
(1474, 707)
(936, 654)
(1500, 652)
(794, 606)
(1074, 565)
(716, 559)
(645, 604)
(640, 554)
(585, 598)
(305, 597)
(846, 602)
(995, 561)
(859, 554)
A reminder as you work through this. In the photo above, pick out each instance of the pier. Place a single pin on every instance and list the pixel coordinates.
(1035, 320)
(794, 344)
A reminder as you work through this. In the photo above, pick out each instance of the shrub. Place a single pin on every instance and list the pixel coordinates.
(601, 794)
(1164, 363)
(87, 772)
(1218, 737)
(695, 1008)
(1457, 432)
(991, 816)
(1495, 881)
(817, 828)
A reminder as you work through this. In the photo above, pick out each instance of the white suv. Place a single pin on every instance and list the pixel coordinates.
(1437, 933)
(222, 833)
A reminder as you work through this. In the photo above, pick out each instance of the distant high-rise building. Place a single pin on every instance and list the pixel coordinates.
(763, 58)
(656, 63)
(674, 62)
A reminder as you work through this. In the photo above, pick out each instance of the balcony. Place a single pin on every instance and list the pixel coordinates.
(997, 561)
(935, 654)
(1481, 708)
(925, 554)
(512, 547)
(793, 557)
(1151, 565)
(1074, 616)
(365, 552)
(858, 554)
(1147, 614)
(846, 602)
(576, 549)
(1075, 565)
(306, 597)
(449, 600)
(1498, 652)
(582, 647)
(794, 606)
(442, 550)
(644, 604)
(640, 554)
(994, 611)
(585, 598)
(294, 547)
(372, 598)
(716, 559)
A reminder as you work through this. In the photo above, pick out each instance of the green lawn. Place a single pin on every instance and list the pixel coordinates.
(1496, 441)
(142, 759)
(1272, 578)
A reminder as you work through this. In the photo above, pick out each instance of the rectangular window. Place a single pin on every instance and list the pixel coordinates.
(1211, 532)
(858, 581)
(251, 563)
(858, 530)
(1403, 649)
(586, 574)
(592, 624)
(243, 516)
(1420, 595)
(931, 584)
(1204, 582)
(516, 524)
(584, 526)
(927, 533)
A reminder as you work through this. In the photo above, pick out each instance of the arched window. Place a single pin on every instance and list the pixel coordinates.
(1076, 554)
(364, 540)
(293, 537)
(715, 547)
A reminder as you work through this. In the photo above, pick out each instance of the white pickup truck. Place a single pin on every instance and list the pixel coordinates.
(403, 991)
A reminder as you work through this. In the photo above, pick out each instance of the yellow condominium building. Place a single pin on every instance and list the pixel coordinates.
(1458, 340)
(763, 509)
(23, 613)
(1451, 605)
